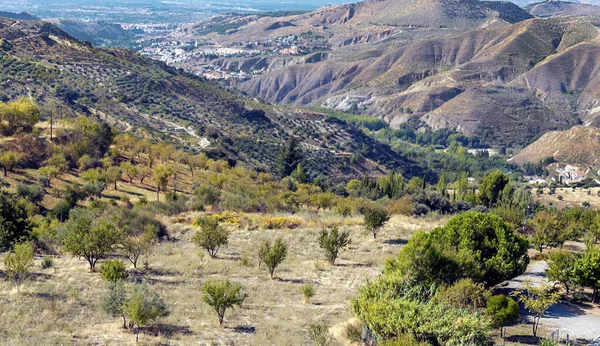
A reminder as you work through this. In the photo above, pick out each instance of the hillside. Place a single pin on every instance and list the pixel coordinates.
(442, 80)
(99, 33)
(18, 16)
(129, 91)
(577, 146)
(552, 8)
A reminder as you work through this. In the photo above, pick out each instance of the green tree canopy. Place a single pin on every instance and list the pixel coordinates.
(222, 295)
(471, 245)
(491, 188)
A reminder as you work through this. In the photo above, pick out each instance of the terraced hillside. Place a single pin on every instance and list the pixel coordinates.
(513, 83)
(41, 61)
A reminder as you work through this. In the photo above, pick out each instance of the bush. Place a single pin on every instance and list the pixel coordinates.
(375, 219)
(272, 254)
(267, 222)
(421, 209)
(308, 290)
(502, 310)
(47, 262)
(402, 206)
(222, 295)
(354, 333)
(17, 264)
(32, 193)
(319, 334)
(332, 241)
(113, 271)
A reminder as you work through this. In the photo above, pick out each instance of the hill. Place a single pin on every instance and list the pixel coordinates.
(18, 16)
(135, 93)
(459, 81)
(102, 34)
(552, 8)
(577, 146)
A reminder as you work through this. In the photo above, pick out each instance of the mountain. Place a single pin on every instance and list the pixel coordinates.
(137, 94)
(101, 34)
(552, 8)
(507, 84)
(577, 146)
(18, 16)
(363, 22)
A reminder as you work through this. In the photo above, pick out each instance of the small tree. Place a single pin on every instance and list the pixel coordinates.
(502, 310)
(113, 271)
(49, 172)
(144, 307)
(113, 300)
(586, 269)
(211, 236)
(113, 174)
(222, 295)
(161, 178)
(537, 299)
(17, 264)
(332, 241)
(319, 334)
(134, 246)
(9, 160)
(375, 219)
(272, 254)
(130, 170)
(560, 267)
(90, 241)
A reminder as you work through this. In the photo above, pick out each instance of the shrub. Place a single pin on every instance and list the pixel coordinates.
(375, 219)
(354, 333)
(211, 236)
(32, 193)
(332, 241)
(272, 254)
(47, 262)
(319, 334)
(113, 271)
(143, 307)
(502, 310)
(308, 290)
(402, 206)
(267, 222)
(17, 264)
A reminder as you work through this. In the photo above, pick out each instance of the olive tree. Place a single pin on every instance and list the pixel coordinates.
(113, 300)
(272, 254)
(222, 295)
(332, 241)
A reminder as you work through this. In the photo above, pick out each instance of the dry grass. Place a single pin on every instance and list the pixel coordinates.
(61, 305)
(570, 197)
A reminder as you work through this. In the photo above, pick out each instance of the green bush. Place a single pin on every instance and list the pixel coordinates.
(113, 271)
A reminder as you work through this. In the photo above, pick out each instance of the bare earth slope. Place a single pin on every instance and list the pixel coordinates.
(553, 8)
(577, 146)
(453, 81)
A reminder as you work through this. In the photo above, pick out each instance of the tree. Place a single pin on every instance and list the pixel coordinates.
(161, 178)
(113, 300)
(113, 271)
(130, 170)
(491, 188)
(586, 269)
(49, 172)
(9, 160)
(319, 334)
(537, 299)
(90, 240)
(502, 310)
(375, 219)
(211, 236)
(135, 246)
(18, 115)
(222, 295)
(560, 267)
(17, 264)
(332, 241)
(272, 254)
(548, 231)
(298, 174)
(289, 158)
(14, 222)
(113, 174)
(144, 307)
(471, 245)
(58, 161)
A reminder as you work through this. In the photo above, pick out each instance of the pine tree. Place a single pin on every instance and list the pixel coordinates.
(288, 158)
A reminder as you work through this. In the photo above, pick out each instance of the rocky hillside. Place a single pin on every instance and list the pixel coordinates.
(577, 146)
(552, 8)
(40, 60)
(506, 84)
(99, 34)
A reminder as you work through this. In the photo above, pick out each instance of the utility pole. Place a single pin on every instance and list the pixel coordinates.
(51, 122)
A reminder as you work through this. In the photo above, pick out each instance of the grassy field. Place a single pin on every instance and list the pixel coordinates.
(61, 305)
